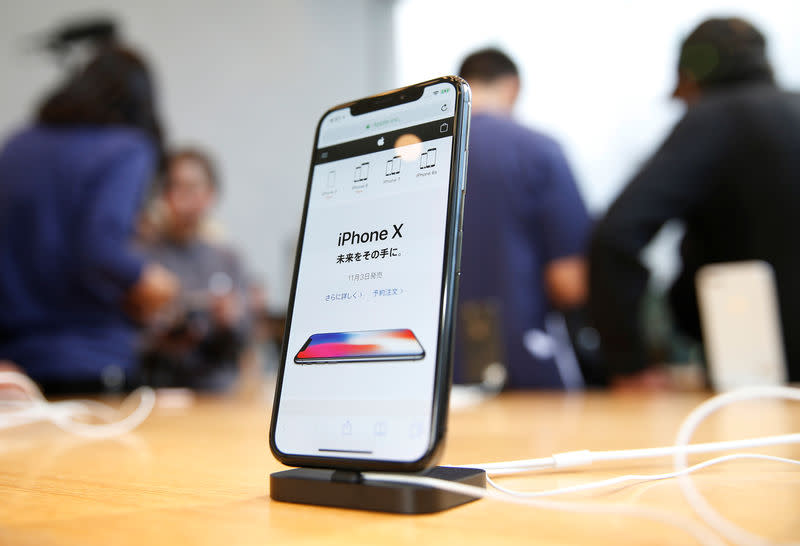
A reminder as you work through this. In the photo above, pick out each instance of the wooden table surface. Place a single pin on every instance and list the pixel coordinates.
(198, 475)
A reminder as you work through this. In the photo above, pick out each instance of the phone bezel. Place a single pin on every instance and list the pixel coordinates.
(449, 294)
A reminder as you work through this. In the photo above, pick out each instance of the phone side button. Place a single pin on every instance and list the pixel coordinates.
(464, 174)
(458, 251)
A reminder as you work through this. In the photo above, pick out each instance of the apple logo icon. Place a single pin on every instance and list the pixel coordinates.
(380, 141)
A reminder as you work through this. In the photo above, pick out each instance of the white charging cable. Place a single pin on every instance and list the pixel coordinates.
(700, 505)
(585, 457)
(641, 477)
(71, 415)
(701, 533)
(680, 451)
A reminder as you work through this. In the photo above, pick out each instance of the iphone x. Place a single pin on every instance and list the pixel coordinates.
(375, 284)
(370, 346)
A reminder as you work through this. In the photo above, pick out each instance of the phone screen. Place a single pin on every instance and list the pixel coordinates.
(360, 346)
(370, 282)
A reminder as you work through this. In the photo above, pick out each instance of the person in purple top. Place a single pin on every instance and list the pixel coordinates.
(525, 235)
(70, 190)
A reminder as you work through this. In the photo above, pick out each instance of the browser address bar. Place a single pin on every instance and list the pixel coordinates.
(386, 120)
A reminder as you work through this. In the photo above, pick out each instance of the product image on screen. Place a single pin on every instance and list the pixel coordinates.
(377, 345)
(359, 367)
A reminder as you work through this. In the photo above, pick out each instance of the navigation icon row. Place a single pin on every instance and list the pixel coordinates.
(393, 167)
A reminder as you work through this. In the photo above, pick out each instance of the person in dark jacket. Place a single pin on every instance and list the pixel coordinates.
(729, 170)
(70, 190)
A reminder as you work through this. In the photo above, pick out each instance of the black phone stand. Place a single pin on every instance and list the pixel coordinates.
(348, 489)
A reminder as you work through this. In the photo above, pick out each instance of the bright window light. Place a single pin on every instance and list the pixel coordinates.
(596, 75)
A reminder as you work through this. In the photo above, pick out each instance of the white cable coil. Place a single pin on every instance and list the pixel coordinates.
(66, 414)
(679, 451)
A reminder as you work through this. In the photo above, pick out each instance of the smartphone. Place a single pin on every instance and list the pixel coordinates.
(370, 346)
(480, 333)
(740, 318)
(375, 281)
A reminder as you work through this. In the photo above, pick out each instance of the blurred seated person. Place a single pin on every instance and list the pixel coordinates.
(525, 231)
(729, 170)
(198, 341)
(71, 185)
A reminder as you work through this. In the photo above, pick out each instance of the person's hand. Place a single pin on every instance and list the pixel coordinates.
(649, 380)
(7, 366)
(226, 310)
(155, 288)
(566, 281)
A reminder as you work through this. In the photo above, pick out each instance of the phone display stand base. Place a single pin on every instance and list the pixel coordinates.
(347, 489)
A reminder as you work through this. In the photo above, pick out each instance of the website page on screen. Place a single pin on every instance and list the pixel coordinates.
(359, 373)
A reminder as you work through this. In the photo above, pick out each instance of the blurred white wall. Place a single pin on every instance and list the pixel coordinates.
(596, 75)
(246, 80)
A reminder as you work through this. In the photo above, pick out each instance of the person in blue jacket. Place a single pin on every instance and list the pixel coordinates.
(525, 234)
(70, 190)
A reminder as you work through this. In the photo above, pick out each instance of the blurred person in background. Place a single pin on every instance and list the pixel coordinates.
(525, 231)
(198, 341)
(729, 170)
(70, 189)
